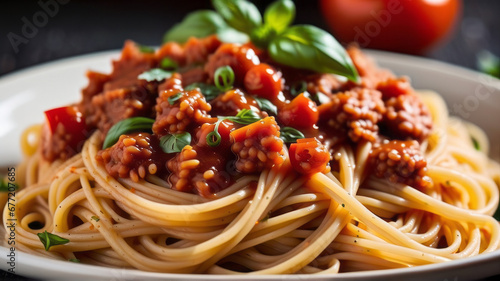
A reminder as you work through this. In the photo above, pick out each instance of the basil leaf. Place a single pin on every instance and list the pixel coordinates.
(242, 15)
(209, 91)
(96, 218)
(244, 117)
(298, 88)
(196, 24)
(6, 186)
(279, 15)
(308, 47)
(127, 126)
(48, 240)
(266, 105)
(74, 260)
(231, 35)
(155, 74)
(289, 134)
(173, 143)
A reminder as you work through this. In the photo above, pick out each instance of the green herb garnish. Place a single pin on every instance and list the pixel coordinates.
(168, 64)
(289, 134)
(244, 117)
(475, 143)
(74, 260)
(224, 78)
(173, 143)
(299, 46)
(96, 218)
(174, 98)
(298, 88)
(48, 240)
(6, 186)
(155, 74)
(210, 92)
(266, 105)
(126, 126)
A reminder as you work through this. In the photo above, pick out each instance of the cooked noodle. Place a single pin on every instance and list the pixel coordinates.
(274, 223)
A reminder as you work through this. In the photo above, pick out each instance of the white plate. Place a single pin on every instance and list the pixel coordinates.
(26, 94)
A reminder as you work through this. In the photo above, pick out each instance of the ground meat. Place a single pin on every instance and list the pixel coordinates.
(258, 146)
(112, 98)
(199, 170)
(231, 102)
(174, 82)
(134, 156)
(401, 162)
(188, 111)
(355, 112)
(395, 87)
(323, 83)
(110, 107)
(57, 144)
(173, 51)
(239, 57)
(198, 50)
(371, 75)
(95, 86)
(407, 118)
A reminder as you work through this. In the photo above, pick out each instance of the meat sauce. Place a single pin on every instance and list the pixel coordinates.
(382, 109)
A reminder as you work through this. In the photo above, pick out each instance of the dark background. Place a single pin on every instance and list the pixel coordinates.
(80, 27)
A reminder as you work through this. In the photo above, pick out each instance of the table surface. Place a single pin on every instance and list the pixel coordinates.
(79, 27)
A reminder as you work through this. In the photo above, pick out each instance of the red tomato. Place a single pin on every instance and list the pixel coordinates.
(301, 113)
(263, 81)
(72, 121)
(407, 26)
(309, 156)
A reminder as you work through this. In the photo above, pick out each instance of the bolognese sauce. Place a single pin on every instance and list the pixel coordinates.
(326, 110)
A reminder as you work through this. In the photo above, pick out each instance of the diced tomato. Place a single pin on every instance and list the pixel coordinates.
(71, 119)
(302, 112)
(259, 129)
(225, 127)
(309, 156)
(264, 81)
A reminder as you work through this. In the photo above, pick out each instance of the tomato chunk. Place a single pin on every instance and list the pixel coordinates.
(263, 81)
(71, 119)
(309, 156)
(301, 113)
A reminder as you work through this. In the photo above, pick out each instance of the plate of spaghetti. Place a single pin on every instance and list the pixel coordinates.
(244, 145)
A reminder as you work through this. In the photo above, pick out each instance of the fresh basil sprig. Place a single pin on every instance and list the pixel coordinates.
(239, 14)
(210, 92)
(300, 46)
(48, 239)
(155, 74)
(126, 126)
(266, 105)
(244, 117)
(173, 143)
(289, 134)
(308, 47)
(202, 24)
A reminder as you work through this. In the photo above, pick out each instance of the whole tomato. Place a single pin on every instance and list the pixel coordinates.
(406, 26)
